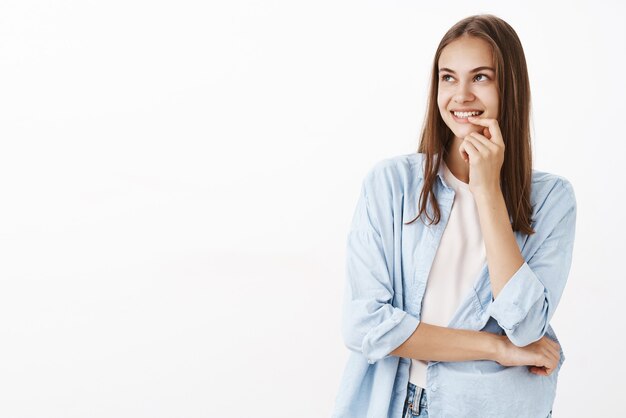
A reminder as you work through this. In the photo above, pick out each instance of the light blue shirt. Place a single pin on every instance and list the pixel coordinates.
(386, 272)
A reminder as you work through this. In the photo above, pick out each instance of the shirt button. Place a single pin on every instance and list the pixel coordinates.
(433, 388)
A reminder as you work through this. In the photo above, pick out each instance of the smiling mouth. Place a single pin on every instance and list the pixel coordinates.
(465, 115)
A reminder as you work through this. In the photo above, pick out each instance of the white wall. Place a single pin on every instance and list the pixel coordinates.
(177, 180)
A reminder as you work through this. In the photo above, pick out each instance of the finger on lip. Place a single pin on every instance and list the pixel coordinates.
(476, 120)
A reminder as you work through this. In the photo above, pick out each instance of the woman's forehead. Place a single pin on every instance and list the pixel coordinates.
(466, 54)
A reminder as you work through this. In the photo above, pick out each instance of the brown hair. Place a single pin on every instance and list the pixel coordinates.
(513, 119)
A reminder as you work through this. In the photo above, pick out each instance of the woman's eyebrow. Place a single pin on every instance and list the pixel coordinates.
(475, 70)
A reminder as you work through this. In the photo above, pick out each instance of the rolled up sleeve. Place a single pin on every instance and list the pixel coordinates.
(370, 324)
(526, 304)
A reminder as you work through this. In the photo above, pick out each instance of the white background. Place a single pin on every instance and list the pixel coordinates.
(177, 180)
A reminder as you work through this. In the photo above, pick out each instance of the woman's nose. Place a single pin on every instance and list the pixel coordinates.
(463, 94)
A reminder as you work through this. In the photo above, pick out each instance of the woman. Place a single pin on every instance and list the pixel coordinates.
(456, 265)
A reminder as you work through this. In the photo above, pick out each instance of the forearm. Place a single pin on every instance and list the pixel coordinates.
(503, 254)
(434, 343)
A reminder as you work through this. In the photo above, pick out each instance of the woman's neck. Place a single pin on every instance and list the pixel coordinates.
(455, 163)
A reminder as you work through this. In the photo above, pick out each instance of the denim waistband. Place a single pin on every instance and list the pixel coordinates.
(416, 399)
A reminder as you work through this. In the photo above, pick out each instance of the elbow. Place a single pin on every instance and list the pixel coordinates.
(356, 341)
(352, 331)
(359, 318)
(356, 335)
(525, 334)
(375, 334)
(523, 327)
(522, 340)
(351, 339)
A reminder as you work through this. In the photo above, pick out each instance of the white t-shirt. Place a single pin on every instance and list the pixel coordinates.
(458, 260)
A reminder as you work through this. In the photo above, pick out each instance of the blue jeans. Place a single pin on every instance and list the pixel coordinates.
(416, 404)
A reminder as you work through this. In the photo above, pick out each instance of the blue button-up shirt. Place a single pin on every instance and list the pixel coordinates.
(387, 269)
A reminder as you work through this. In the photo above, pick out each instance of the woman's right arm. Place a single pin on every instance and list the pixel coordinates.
(434, 343)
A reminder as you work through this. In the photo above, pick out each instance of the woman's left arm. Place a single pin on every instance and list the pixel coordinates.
(526, 292)
(503, 255)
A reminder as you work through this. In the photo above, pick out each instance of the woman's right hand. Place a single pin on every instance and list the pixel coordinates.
(542, 356)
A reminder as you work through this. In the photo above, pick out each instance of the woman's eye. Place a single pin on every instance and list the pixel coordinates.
(444, 77)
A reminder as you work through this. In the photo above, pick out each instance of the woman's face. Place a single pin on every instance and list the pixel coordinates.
(466, 83)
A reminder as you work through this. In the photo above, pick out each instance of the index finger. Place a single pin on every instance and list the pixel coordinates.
(490, 123)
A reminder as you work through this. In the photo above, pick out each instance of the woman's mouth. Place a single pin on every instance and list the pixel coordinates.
(461, 117)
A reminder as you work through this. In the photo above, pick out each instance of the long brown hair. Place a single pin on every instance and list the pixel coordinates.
(513, 119)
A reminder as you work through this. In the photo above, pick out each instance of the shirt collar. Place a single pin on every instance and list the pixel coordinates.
(441, 175)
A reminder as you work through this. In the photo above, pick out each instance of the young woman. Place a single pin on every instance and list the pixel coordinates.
(458, 255)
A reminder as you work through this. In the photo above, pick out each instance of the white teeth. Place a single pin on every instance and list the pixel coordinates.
(466, 114)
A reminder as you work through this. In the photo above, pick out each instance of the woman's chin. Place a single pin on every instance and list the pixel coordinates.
(462, 132)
